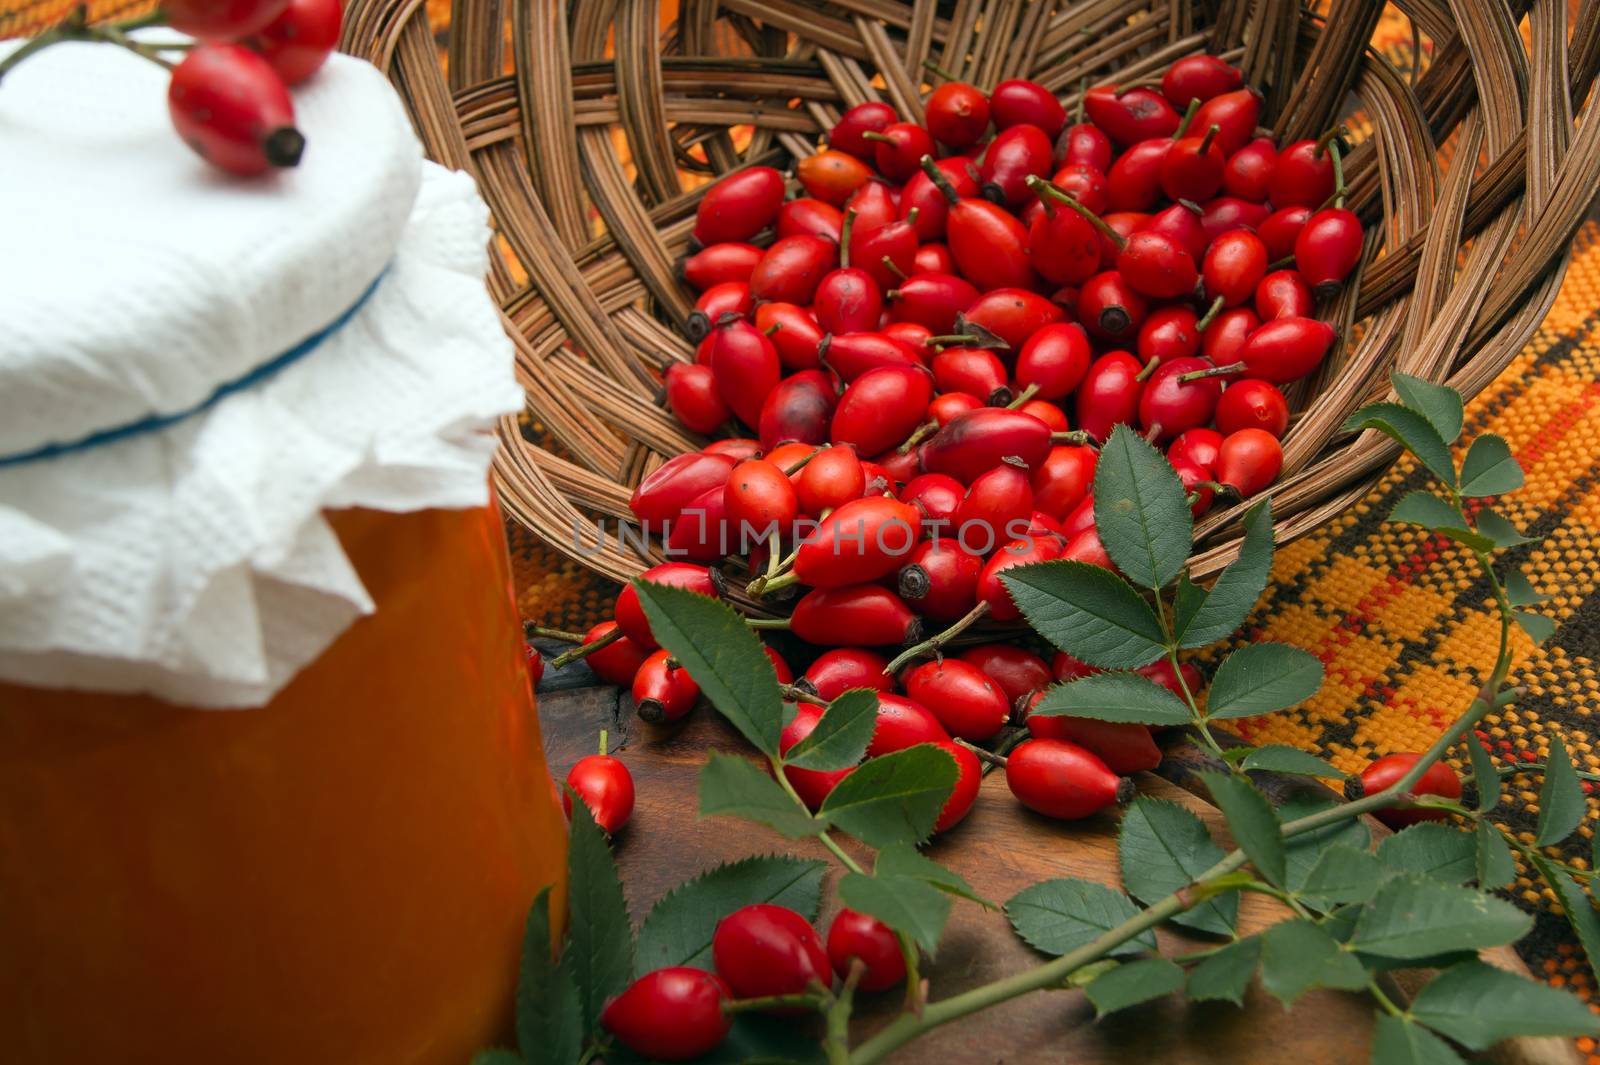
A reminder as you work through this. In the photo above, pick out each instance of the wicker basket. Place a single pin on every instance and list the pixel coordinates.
(1471, 176)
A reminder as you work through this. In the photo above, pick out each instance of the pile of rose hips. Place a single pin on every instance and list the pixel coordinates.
(760, 952)
(906, 352)
(229, 96)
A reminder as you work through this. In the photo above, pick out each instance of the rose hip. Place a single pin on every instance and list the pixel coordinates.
(859, 615)
(1022, 102)
(1016, 670)
(1012, 314)
(932, 300)
(996, 506)
(606, 788)
(849, 355)
(737, 448)
(1248, 173)
(957, 114)
(1168, 333)
(1086, 145)
(1063, 246)
(662, 693)
(221, 20)
(764, 950)
(1134, 180)
(1304, 175)
(872, 206)
(630, 615)
(791, 269)
(967, 703)
(973, 371)
(806, 217)
(1170, 405)
(718, 264)
(1015, 154)
(1235, 114)
(692, 394)
(1132, 116)
(1283, 294)
(872, 116)
(1250, 404)
(665, 491)
(847, 300)
(1197, 446)
(860, 541)
(1016, 553)
(1225, 337)
(936, 496)
(899, 148)
(1063, 780)
(831, 479)
(799, 409)
(1192, 169)
(855, 936)
(701, 531)
(950, 406)
(1328, 248)
(836, 672)
(1063, 480)
(902, 723)
(977, 441)
(881, 407)
(831, 176)
(1198, 77)
(1286, 349)
(1109, 394)
(1110, 307)
(922, 195)
(1439, 779)
(746, 367)
(300, 39)
(759, 500)
(1249, 460)
(672, 1014)
(1279, 230)
(1234, 264)
(1227, 213)
(231, 107)
(1156, 265)
(969, 778)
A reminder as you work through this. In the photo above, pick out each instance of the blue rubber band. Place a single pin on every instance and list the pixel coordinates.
(157, 422)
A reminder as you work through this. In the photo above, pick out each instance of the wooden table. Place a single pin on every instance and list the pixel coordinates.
(1000, 848)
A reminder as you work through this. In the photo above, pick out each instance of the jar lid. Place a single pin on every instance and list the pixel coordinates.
(241, 355)
(137, 278)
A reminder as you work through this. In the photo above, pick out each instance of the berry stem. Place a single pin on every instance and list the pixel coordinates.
(1210, 315)
(1049, 191)
(1075, 437)
(930, 65)
(1215, 371)
(553, 634)
(801, 464)
(940, 181)
(800, 695)
(1211, 135)
(767, 1002)
(1148, 370)
(933, 643)
(1188, 117)
(844, 238)
(983, 753)
(605, 738)
(923, 431)
(566, 658)
(876, 137)
(767, 623)
(889, 265)
(1023, 396)
(1338, 173)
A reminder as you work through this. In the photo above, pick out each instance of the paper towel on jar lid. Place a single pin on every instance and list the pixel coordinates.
(192, 561)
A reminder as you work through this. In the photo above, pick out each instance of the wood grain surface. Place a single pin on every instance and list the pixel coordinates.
(1000, 848)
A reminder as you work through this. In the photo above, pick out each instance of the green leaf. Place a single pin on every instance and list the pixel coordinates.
(1501, 533)
(1162, 848)
(841, 735)
(1260, 678)
(1576, 903)
(1538, 627)
(757, 1040)
(1397, 1041)
(1478, 1005)
(1117, 696)
(894, 798)
(722, 654)
(907, 905)
(1489, 469)
(1305, 850)
(1278, 758)
(1140, 510)
(1087, 611)
(1342, 875)
(1561, 801)
(1413, 918)
(904, 860)
(1298, 956)
(1057, 916)
(1484, 775)
(550, 1028)
(1234, 593)
(1251, 820)
(679, 927)
(1187, 600)
(1134, 982)
(1225, 975)
(1493, 864)
(1437, 515)
(598, 958)
(1412, 431)
(1518, 590)
(1440, 404)
(733, 787)
(1433, 850)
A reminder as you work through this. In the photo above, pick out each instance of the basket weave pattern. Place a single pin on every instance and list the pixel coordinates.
(1471, 177)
